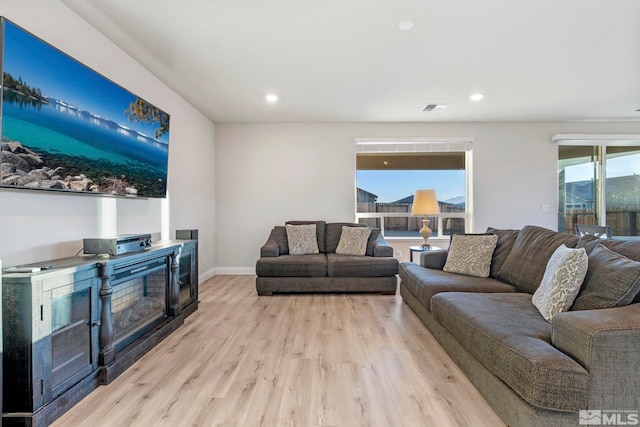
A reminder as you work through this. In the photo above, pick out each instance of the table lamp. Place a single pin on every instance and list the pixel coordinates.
(425, 203)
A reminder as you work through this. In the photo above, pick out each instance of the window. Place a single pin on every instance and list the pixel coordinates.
(599, 184)
(389, 172)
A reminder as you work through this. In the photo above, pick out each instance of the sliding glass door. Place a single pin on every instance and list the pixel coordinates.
(599, 185)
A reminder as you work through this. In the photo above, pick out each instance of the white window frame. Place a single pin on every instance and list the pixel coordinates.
(421, 145)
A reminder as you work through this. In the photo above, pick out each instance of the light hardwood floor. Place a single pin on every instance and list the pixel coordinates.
(290, 360)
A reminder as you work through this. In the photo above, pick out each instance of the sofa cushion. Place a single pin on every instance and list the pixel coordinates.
(561, 281)
(353, 241)
(360, 266)
(292, 266)
(470, 254)
(506, 239)
(320, 231)
(302, 239)
(630, 249)
(507, 335)
(527, 261)
(612, 280)
(424, 283)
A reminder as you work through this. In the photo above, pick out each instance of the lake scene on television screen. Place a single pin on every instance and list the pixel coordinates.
(67, 128)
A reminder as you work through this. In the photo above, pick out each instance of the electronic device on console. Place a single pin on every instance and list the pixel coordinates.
(117, 245)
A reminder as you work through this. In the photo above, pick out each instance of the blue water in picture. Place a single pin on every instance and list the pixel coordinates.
(82, 143)
(56, 129)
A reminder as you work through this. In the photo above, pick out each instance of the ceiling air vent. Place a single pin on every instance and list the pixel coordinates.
(435, 107)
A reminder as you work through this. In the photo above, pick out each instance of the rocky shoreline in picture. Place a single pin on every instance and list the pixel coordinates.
(23, 167)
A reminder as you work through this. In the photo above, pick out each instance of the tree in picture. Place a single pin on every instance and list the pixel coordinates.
(143, 112)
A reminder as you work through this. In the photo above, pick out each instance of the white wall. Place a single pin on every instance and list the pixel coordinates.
(234, 182)
(269, 173)
(37, 226)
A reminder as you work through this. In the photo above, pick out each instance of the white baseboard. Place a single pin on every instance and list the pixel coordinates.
(226, 271)
(206, 275)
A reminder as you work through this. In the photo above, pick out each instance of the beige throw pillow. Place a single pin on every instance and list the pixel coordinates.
(561, 282)
(353, 241)
(470, 254)
(302, 239)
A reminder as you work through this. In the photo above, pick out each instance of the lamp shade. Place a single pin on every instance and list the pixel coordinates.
(425, 202)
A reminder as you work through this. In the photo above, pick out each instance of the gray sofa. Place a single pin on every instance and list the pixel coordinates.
(532, 372)
(278, 271)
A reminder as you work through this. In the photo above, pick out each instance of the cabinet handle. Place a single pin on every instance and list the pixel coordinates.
(96, 323)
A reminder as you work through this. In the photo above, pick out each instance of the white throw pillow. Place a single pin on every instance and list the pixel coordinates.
(353, 240)
(470, 254)
(302, 239)
(561, 282)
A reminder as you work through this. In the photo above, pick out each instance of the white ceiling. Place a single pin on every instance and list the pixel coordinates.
(347, 61)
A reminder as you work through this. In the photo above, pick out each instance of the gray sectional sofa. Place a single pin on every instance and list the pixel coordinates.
(531, 371)
(278, 271)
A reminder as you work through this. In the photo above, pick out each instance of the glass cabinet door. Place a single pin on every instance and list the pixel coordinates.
(187, 274)
(184, 277)
(72, 348)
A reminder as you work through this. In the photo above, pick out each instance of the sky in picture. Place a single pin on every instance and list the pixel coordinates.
(59, 76)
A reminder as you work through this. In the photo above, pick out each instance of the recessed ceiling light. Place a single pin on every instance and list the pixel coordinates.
(476, 97)
(271, 97)
(406, 24)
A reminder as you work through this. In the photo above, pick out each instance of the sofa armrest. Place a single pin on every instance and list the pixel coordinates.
(606, 343)
(382, 248)
(433, 259)
(271, 247)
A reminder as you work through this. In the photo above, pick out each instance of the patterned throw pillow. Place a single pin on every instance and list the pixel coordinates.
(561, 282)
(470, 254)
(353, 241)
(302, 239)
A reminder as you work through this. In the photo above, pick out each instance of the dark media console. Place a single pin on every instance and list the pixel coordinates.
(83, 321)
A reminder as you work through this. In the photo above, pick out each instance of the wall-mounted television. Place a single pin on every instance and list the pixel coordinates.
(67, 128)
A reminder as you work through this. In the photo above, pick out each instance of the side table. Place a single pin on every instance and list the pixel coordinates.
(413, 249)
